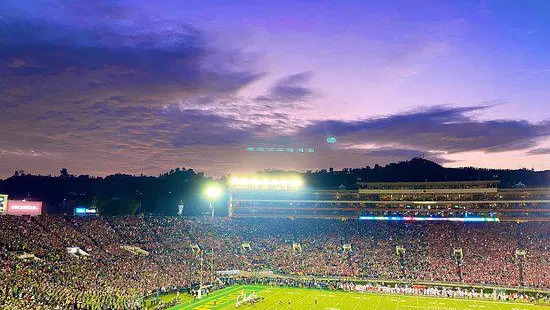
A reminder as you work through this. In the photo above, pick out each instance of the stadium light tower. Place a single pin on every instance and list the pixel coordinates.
(213, 192)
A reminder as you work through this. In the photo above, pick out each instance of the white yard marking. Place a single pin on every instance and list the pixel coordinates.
(279, 293)
(359, 302)
(378, 303)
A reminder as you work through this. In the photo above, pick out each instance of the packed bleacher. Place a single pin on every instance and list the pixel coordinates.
(36, 272)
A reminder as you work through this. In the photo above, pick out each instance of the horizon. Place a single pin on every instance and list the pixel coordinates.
(136, 87)
(218, 177)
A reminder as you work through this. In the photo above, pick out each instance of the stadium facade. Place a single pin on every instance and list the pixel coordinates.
(482, 200)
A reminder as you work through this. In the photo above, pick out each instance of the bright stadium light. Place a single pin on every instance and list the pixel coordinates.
(213, 192)
(266, 183)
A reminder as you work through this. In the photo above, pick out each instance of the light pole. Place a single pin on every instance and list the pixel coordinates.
(213, 192)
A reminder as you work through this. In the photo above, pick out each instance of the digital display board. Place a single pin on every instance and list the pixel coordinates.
(83, 211)
(430, 219)
(23, 207)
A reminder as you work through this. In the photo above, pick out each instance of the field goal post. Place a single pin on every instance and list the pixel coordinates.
(203, 287)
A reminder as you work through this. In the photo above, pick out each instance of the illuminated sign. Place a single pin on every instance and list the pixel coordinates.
(80, 211)
(23, 207)
(3, 203)
(84, 211)
(424, 218)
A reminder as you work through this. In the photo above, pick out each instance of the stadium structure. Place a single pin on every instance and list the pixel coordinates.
(460, 201)
(472, 241)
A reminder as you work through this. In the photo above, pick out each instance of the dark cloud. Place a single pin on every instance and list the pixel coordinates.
(406, 153)
(194, 127)
(290, 89)
(111, 50)
(103, 83)
(539, 151)
(393, 154)
(440, 128)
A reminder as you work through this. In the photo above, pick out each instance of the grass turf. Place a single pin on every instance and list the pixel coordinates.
(184, 299)
(337, 300)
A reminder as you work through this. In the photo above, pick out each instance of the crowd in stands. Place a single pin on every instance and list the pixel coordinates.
(113, 277)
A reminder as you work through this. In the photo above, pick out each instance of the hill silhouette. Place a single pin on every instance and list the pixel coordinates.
(128, 194)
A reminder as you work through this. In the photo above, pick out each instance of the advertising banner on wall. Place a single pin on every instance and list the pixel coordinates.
(23, 207)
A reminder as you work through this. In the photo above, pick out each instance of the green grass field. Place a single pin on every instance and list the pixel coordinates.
(338, 300)
(184, 299)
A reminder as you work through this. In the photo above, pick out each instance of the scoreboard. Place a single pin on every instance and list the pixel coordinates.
(3, 203)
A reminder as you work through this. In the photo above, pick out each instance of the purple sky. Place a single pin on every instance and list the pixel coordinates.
(144, 86)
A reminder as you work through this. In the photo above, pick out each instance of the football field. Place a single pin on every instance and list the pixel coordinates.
(279, 298)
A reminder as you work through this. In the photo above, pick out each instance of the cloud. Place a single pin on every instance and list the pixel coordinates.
(107, 83)
(119, 86)
(289, 89)
(440, 128)
(394, 154)
(25, 153)
(111, 49)
(538, 151)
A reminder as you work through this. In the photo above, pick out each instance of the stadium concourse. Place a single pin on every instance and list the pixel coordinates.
(37, 272)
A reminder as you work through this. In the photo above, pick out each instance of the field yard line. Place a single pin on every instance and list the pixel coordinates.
(360, 300)
(213, 296)
(398, 302)
(306, 297)
(280, 292)
(341, 299)
(487, 301)
(378, 303)
(458, 307)
(506, 302)
(496, 303)
(325, 297)
(476, 304)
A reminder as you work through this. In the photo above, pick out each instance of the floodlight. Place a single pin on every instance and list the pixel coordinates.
(263, 182)
(213, 191)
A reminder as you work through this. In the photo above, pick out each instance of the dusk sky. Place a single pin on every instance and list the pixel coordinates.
(102, 87)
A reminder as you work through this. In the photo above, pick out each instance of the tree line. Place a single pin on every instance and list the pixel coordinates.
(121, 194)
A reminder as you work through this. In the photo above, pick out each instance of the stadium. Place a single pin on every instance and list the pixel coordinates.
(282, 244)
(274, 155)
